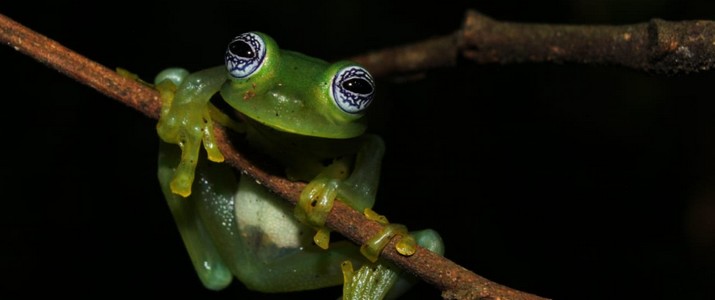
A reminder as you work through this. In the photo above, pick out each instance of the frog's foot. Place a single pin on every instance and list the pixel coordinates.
(125, 73)
(371, 281)
(187, 125)
(313, 207)
(374, 246)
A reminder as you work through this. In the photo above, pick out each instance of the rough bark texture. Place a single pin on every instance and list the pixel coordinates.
(657, 46)
(455, 281)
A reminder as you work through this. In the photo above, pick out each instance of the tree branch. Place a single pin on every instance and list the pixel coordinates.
(657, 46)
(455, 281)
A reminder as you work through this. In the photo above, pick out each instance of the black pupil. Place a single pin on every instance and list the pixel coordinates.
(358, 85)
(241, 49)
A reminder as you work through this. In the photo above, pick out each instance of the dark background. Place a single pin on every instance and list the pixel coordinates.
(567, 181)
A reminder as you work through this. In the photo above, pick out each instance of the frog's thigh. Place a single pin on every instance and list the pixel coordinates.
(269, 250)
(204, 255)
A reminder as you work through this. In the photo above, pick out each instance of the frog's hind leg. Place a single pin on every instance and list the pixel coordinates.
(253, 235)
(382, 279)
(205, 257)
(250, 234)
(268, 249)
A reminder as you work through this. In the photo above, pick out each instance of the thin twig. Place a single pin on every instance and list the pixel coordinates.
(455, 281)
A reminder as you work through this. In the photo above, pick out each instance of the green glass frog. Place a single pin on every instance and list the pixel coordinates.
(306, 114)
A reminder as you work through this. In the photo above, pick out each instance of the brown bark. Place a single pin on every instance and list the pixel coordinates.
(657, 46)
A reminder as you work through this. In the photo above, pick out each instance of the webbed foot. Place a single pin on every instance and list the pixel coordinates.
(374, 246)
(371, 281)
(187, 123)
(313, 207)
(380, 280)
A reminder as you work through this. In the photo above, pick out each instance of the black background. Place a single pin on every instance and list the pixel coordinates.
(567, 181)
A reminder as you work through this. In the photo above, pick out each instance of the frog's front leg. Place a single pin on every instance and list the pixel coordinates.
(185, 119)
(356, 188)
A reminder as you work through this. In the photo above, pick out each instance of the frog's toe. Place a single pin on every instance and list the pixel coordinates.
(209, 141)
(407, 246)
(184, 174)
(374, 246)
(371, 281)
(322, 238)
(181, 184)
(174, 75)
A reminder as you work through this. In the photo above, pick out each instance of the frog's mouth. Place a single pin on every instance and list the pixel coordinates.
(290, 123)
(306, 125)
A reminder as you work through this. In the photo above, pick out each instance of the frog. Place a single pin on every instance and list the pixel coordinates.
(304, 113)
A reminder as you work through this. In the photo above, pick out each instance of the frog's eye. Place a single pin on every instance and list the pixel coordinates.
(245, 55)
(352, 89)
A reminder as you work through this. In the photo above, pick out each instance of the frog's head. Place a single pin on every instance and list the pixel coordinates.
(295, 93)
